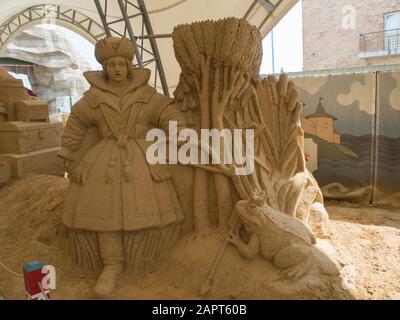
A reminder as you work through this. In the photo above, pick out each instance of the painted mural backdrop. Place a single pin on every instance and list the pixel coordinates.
(388, 139)
(339, 124)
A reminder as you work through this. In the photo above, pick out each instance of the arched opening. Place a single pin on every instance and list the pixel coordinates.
(49, 47)
(54, 60)
(50, 14)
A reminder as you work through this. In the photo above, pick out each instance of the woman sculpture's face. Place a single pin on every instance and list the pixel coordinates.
(116, 69)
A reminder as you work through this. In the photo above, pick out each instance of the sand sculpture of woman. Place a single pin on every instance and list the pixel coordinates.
(118, 207)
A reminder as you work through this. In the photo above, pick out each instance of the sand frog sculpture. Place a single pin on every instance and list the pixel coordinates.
(280, 238)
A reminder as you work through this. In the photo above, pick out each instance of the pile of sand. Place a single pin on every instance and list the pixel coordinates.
(368, 243)
(366, 240)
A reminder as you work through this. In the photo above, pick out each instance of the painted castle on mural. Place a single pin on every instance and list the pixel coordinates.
(321, 124)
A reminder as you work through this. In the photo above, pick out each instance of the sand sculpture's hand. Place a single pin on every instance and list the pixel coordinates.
(77, 173)
(234, 237)
(67, 164)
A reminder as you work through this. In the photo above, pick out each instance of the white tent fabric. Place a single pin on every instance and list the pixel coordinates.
(166, 14)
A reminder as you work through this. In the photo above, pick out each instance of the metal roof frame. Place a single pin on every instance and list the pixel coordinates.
(120, 17)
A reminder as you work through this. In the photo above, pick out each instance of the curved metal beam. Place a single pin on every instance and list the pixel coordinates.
(50, 14)
(146, 52)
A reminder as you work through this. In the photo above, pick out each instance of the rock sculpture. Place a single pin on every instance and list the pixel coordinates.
(57, 76)
(119, 208)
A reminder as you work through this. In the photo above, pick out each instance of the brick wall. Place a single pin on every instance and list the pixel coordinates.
(328, 45)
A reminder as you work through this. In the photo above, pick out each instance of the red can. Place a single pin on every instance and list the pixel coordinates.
(33, 277)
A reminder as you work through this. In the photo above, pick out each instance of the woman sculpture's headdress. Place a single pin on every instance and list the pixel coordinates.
(114, 47)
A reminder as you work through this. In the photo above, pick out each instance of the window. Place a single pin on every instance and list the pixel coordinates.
(392, 31)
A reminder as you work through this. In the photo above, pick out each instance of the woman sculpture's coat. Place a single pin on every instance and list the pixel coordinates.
(113, 188)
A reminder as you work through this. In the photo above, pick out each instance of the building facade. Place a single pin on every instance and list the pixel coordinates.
(350, 33)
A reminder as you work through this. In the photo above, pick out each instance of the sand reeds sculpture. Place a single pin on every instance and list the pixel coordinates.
(220, 81)
(220, 63)
(227, 42)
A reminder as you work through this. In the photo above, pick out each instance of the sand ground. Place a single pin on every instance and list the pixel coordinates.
(366, 239)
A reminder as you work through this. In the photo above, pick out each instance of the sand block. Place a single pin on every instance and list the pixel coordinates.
(43, 161)
(19, 137)
(11, 91)
(3, 113)
(5, 172)
(32, 110)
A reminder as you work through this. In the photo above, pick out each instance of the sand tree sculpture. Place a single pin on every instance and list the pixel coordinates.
(220, 88)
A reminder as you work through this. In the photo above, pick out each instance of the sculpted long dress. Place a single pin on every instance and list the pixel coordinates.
(113, 188)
